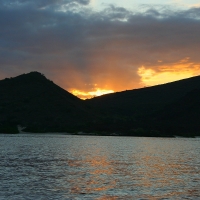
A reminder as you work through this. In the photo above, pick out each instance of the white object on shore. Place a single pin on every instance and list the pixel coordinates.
(20, 128)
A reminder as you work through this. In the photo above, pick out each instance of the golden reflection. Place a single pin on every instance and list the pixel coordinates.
(93, 174)
(100, 170)
(164, 171)
(157, 169)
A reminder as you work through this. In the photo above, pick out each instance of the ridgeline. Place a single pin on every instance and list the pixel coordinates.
(33, 101)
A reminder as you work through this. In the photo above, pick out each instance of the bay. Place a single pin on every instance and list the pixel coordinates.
(96, 167)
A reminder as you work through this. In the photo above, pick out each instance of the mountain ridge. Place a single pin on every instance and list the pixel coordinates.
(35, 102)
(32, 100)
(167, 92)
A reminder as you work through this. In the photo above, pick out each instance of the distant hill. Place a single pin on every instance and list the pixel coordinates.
(163, 107)
(145, 100)
(33, 101)
(182, 115)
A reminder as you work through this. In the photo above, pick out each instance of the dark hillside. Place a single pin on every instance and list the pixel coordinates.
(163, 110)
(32, 100)
(186, 108)
(182, 115)
(143, 101)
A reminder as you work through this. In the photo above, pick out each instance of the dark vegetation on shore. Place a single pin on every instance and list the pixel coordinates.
(33, 101)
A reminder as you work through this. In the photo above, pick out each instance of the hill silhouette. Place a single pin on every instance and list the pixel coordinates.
(33, 101)
(171, 108)
(142, 101)
(182, 115)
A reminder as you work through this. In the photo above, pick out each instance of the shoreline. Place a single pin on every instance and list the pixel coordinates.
(88, 134)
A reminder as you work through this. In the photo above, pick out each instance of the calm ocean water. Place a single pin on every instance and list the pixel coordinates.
(101, 168)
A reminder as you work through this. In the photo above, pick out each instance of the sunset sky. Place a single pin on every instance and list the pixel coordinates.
(91, 47)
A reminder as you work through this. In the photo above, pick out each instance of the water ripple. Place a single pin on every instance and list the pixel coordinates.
(100, 168)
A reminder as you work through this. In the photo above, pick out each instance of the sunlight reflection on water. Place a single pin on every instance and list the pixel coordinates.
(101, 168)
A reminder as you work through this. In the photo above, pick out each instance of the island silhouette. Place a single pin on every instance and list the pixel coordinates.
(167, 110)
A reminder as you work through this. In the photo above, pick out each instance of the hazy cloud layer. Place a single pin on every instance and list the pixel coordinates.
(78, 48)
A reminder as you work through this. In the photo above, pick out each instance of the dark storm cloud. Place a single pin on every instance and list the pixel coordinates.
(39, 3)
(61, 37)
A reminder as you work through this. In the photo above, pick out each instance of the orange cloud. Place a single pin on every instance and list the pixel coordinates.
(168, 73)
(111, 73)
(90, 53)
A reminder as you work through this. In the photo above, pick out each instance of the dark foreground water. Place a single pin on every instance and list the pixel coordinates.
(102, 168)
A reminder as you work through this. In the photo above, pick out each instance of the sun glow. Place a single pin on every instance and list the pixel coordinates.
(163, 74)
(87, 95)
